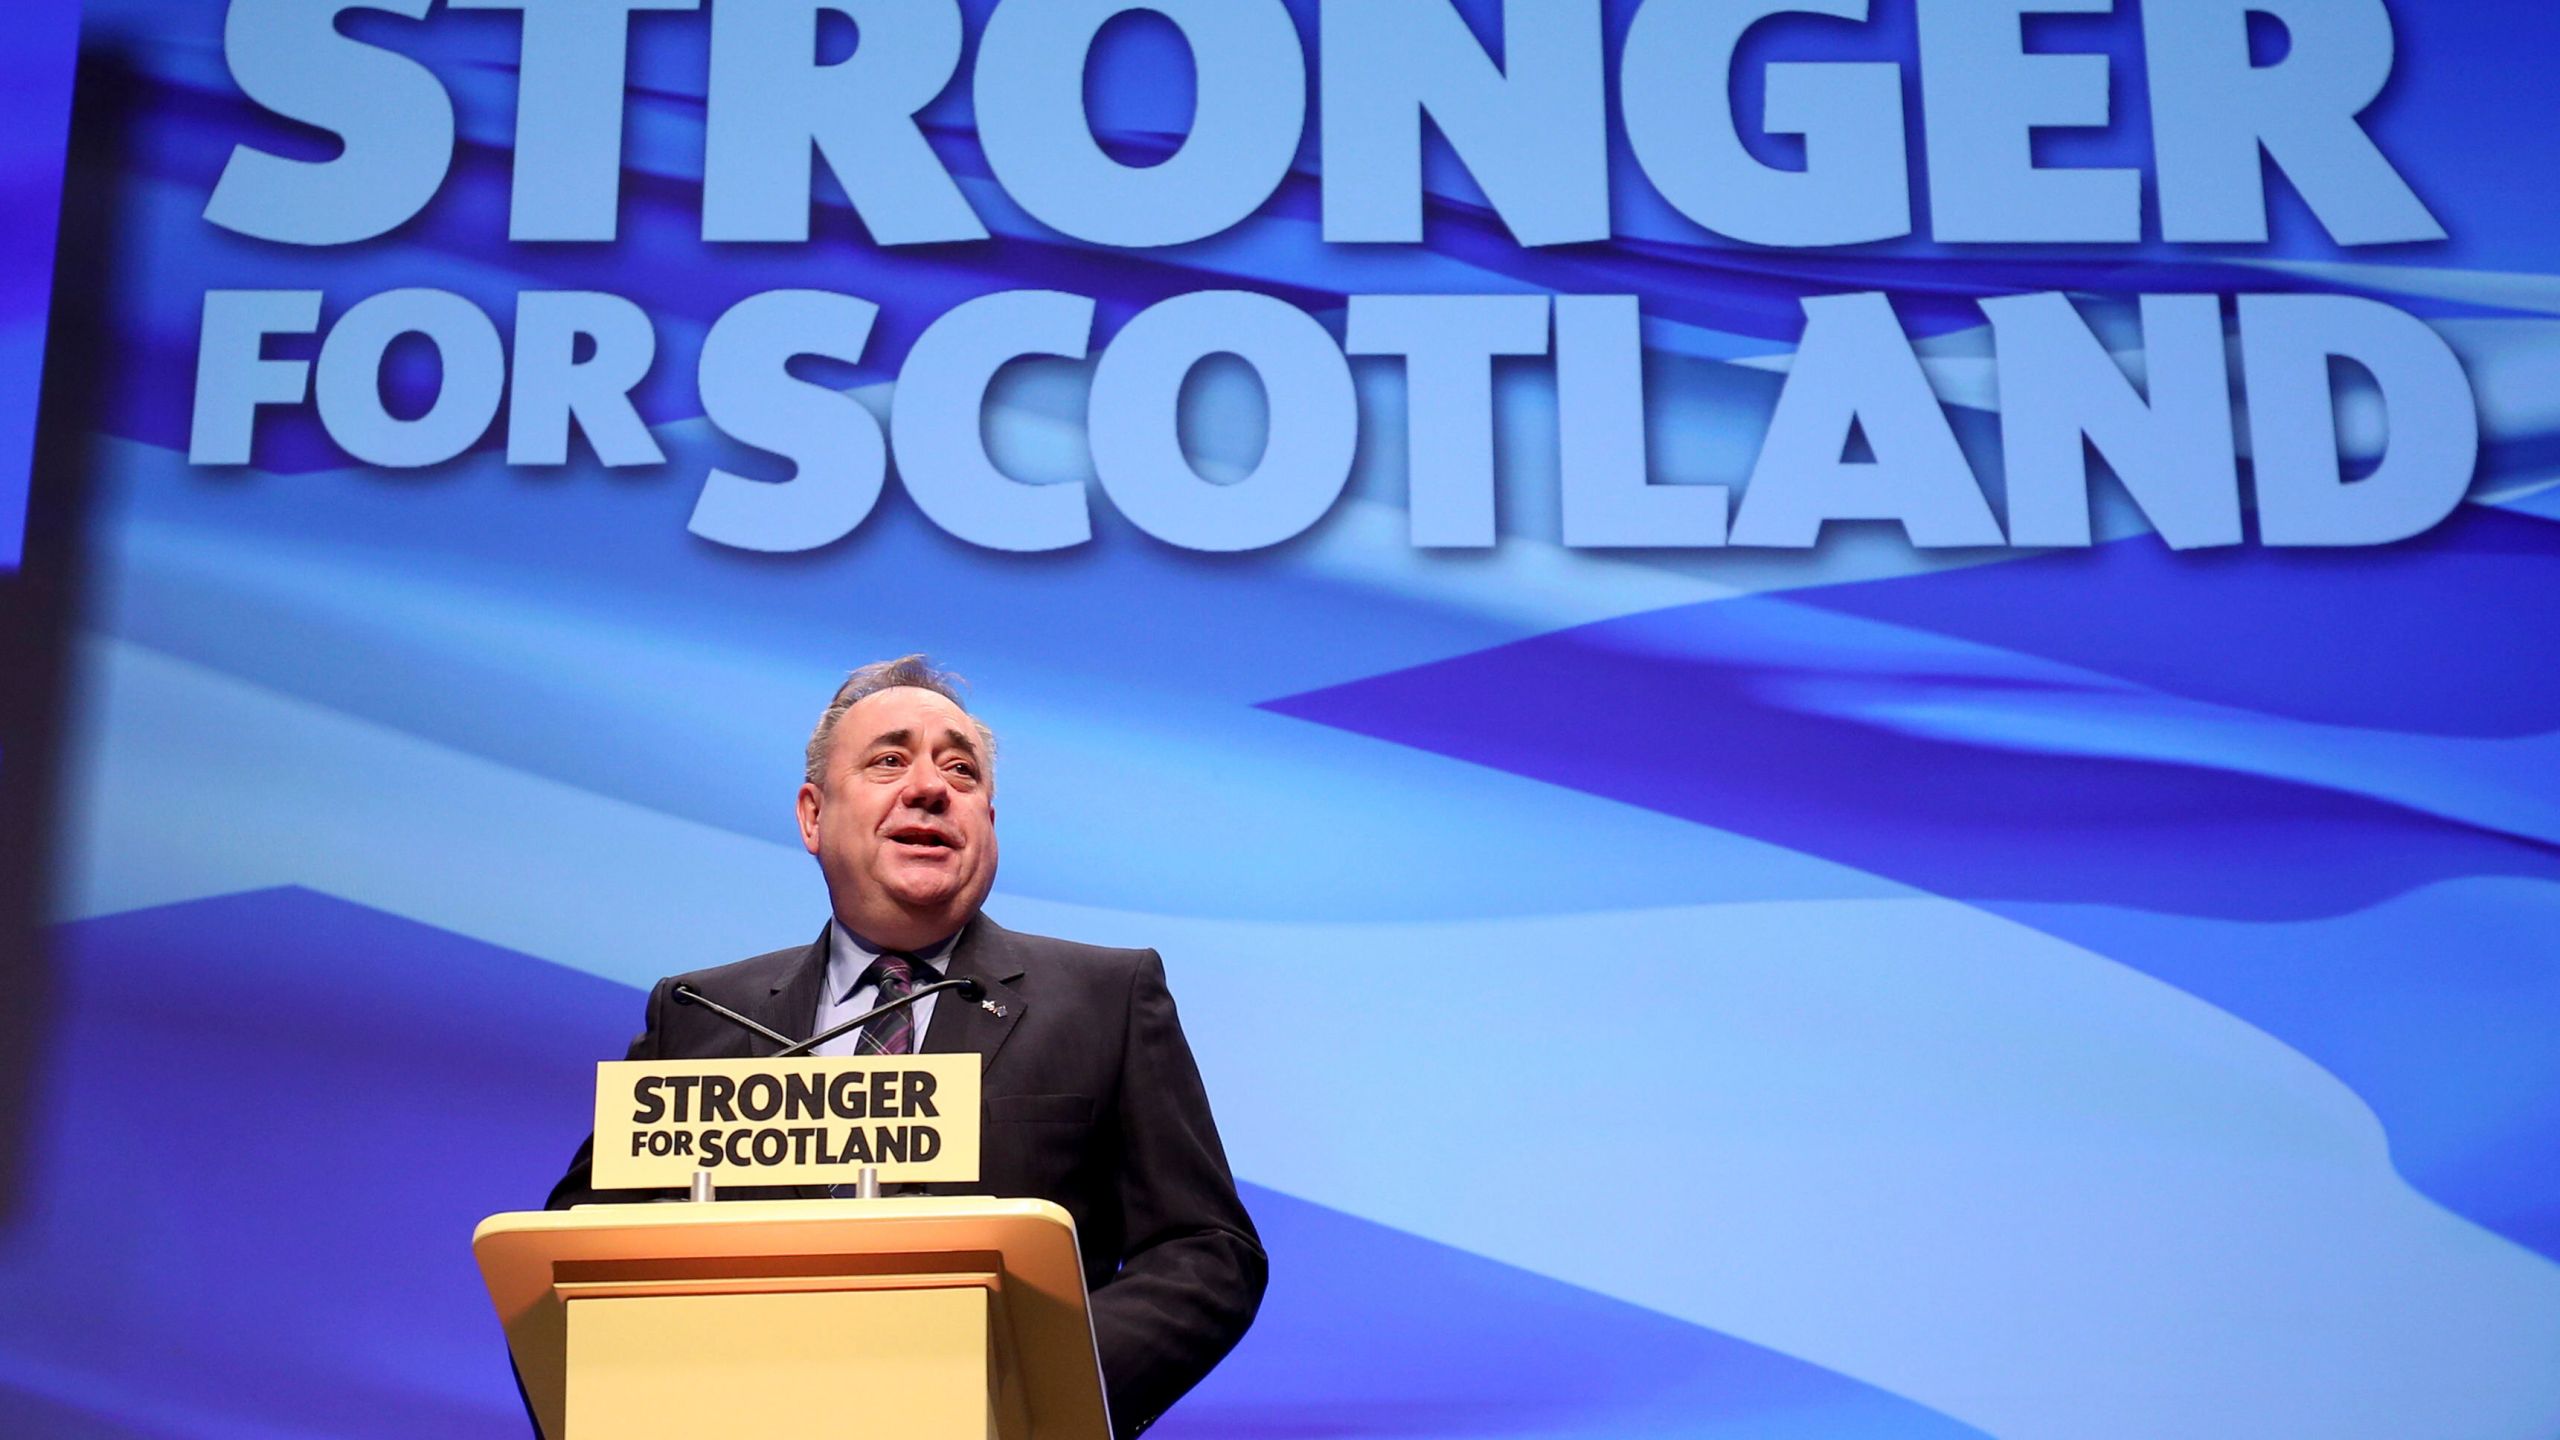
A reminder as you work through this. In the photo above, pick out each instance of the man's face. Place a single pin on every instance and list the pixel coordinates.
(902, 820)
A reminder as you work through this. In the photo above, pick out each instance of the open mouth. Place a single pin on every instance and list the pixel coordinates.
(922, 839)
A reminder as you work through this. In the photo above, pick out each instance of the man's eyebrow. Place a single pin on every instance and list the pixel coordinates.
(961, 740)
(900, 738)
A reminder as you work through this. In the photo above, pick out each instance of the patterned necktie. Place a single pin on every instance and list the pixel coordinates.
(895, 1032)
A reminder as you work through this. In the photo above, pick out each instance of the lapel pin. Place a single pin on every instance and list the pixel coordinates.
(992, 1008)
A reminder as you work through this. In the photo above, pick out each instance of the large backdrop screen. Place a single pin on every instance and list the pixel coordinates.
(1829, 710)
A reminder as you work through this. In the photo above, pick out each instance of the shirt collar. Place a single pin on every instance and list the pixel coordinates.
(849, 955)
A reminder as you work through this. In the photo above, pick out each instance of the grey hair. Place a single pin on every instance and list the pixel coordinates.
(906, 672)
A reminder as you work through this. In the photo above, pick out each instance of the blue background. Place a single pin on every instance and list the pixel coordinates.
(35, 114)
(1850, 993)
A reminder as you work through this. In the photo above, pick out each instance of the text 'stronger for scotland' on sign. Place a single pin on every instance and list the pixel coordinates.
(786, 1122)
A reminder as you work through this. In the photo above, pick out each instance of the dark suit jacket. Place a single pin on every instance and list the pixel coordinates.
(1092, 1101)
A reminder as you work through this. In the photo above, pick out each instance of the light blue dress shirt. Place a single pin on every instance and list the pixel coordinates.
(848, 994)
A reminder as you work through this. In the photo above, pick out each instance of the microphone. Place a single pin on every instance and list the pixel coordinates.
(968, 987)
(687, 995)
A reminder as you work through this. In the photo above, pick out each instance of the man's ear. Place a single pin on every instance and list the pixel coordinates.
(807, 804)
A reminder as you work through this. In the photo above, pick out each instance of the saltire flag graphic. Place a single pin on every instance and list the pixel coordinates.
(1864, 993)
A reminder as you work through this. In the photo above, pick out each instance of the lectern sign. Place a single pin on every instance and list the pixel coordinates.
(786, 1122)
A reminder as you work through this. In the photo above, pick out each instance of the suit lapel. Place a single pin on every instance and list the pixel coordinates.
(989, 954)
(791, 1005)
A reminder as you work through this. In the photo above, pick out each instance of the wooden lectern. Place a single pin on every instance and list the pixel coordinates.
(927, 1318)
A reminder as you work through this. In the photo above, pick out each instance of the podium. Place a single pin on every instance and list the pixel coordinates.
(923, 1318)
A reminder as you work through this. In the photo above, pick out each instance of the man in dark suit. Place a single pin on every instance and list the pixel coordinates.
(1092, 1098)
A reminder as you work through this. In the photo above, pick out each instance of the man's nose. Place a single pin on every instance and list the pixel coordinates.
(927, 788)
